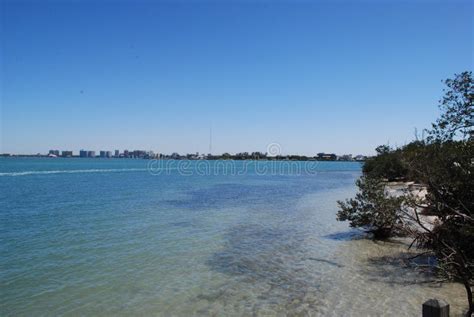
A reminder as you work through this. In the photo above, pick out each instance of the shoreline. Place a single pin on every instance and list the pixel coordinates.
(176, 159)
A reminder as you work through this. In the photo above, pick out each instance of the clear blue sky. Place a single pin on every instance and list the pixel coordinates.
(314, 76)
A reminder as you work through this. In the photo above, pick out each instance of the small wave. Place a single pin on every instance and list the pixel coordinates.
(115, 170)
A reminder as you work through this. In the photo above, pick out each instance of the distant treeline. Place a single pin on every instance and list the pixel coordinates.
(226, 156)
(265, 156)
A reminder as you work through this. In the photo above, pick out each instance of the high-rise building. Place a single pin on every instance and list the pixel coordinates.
(66, 153)
(90, 153)
(82, 153)
(108, 154)
(117, 153)
(102, 154)
(54, 152)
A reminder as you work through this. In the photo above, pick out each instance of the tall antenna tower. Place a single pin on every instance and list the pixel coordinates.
(210, 140)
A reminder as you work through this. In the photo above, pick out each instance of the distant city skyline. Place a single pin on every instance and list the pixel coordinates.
(335, 77)
(117, 152)
(272, 153)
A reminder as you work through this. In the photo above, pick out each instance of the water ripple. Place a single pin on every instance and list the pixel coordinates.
(114, 170)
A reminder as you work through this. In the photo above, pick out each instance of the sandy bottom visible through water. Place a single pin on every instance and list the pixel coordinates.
(379, 278)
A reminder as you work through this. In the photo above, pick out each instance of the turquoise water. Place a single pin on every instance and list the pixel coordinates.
(130, 237)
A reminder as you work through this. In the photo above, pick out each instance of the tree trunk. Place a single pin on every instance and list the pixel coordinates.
(470, 311)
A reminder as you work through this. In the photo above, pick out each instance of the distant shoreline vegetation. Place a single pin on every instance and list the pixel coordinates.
(175, 156)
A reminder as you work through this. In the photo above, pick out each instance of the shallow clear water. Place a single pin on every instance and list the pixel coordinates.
(123, 237)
